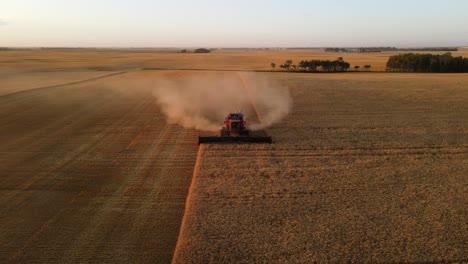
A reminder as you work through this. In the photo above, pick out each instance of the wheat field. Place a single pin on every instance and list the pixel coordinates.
(366, 167)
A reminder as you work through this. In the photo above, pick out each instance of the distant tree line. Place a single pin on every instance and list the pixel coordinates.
(366, 67)
(380, 49)
(429, 49)
(338, 65)
(361, 50)
(201, 50)
(410, 62)
(336, 50)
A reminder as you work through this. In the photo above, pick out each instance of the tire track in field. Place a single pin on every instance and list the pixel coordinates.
(25, 94)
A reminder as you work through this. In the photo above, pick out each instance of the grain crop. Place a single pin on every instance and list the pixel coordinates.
(368, 168)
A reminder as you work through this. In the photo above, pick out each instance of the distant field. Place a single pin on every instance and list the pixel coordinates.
(367, 167)
(218, 60)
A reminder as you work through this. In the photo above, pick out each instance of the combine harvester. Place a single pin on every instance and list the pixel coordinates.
(235, 130)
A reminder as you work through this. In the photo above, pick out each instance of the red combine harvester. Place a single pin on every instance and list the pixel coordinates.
(235, 130)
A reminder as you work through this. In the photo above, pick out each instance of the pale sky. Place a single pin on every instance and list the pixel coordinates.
(240, 23)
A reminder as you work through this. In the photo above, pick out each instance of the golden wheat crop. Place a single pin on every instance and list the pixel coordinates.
(368, 168)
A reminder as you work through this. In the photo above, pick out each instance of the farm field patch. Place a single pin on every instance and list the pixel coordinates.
(367, 168)
(91, 172)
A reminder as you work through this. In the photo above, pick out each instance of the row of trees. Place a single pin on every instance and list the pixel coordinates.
(338, 65)
(366, 67)
(429, 49)
(202, 50)
(361, 50)
(410, 62)
(380, 49)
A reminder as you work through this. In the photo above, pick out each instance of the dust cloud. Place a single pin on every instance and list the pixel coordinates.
(202, 100)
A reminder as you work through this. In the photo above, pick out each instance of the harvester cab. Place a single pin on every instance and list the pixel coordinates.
(235, 125)
(235, 130)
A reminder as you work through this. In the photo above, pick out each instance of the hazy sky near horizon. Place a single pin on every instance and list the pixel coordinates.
(240, 23)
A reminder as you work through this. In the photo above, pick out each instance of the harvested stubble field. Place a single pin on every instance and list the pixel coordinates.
(366, 167)
(91, 172)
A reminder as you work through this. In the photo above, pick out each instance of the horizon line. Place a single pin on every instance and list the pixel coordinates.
(225, 47)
